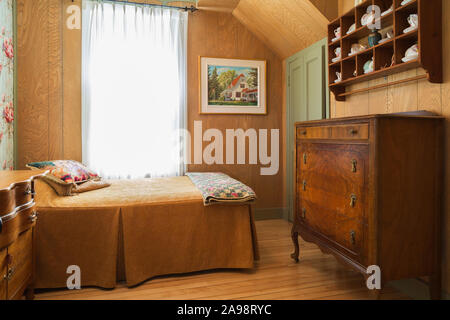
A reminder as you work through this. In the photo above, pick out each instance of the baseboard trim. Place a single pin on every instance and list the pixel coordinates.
(269, 213)
(416, 289)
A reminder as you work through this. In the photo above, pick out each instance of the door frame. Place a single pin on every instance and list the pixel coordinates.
(290, 128)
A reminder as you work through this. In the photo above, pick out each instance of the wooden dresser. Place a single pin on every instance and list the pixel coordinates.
(17, 220)
(369, 191)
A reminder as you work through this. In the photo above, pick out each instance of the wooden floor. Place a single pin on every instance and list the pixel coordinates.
(276, 276)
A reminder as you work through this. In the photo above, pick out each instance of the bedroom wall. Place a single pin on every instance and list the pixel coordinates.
(6, 85)
(49, 89)
(413, 96)
(221, 35)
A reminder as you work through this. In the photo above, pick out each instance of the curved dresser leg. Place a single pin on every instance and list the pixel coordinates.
(294, 235)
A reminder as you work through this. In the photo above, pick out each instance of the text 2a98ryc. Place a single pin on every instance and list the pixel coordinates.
(246, 309)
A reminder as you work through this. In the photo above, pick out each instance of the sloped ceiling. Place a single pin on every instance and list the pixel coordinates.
(286, 26)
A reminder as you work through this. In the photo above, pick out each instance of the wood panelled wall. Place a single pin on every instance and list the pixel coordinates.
(49, 90)
(221, 35)
(413, 96)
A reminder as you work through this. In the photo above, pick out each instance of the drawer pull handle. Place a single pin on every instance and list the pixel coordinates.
(29, 191)
(352, 201)
(352, 237)
(34, 216)
(303, 213)
(353, 131)
(304, 185)
(303, 132)
(354, 163)
(10, 274)
(304, 158)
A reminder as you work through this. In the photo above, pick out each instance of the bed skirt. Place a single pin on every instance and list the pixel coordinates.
(134, 243)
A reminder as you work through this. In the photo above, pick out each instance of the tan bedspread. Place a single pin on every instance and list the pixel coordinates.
(136, 230)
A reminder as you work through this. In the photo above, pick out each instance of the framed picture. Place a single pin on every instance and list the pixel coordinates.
(232, 86)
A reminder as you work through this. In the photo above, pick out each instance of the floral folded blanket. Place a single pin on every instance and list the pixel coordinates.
(219, 187)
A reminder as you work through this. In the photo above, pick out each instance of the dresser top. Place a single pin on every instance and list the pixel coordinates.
(425, 115)
(7, 178)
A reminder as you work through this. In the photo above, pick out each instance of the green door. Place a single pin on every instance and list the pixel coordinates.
(307, 99)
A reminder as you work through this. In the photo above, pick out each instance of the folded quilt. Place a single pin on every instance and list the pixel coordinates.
(219, 187)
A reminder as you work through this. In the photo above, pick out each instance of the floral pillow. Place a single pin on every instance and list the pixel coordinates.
(69, 171)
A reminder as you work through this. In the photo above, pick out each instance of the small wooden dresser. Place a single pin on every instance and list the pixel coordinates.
(17, 220)
(369, 191)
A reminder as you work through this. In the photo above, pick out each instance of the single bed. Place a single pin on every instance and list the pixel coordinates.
(138, 229)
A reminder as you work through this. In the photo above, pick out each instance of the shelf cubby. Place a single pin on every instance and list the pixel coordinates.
(384, 55)
(361, 60)
(404, 43)
(333, 69)
(388, 54)
(348, 68)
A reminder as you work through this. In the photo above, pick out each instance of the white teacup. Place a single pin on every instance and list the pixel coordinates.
(337, 51)
(413, 20)
(337, 32)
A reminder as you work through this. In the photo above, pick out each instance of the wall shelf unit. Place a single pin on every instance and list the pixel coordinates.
(388, 55)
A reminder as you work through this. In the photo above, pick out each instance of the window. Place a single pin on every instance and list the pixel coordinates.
(238, 94)
(134, 89)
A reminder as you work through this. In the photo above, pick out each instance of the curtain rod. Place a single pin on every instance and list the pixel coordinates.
(191, 8)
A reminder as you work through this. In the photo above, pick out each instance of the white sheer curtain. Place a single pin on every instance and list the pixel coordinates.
(134, 89)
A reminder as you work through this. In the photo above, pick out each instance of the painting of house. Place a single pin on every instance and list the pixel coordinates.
(235, 86)
(232, 86)
(239, 90)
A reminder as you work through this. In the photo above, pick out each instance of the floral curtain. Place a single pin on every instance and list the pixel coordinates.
(6, 85)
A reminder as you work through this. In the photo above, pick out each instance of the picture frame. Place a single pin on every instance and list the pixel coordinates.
(232, 86)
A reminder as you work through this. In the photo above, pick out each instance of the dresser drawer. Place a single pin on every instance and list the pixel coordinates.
(20, 268)
(3, 272)
(20, 194)
(320, 165)
(319, 219)
(350, 204)
(342, 233)
(25, 219)
(358, 131)
(313, 133)
(349, 236)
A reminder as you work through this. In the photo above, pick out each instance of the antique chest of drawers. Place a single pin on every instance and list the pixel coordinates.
(17, 220)
(369, 191)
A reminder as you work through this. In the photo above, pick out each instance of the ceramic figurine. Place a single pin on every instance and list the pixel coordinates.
(413, 21)
(352, 28)
(405, 2)
(357, 47)
(374, 38)
(388, 36)
(337, 52)
(368, 18)
(411, 54)
(337, 34)
(368, 66)
(388, 11)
